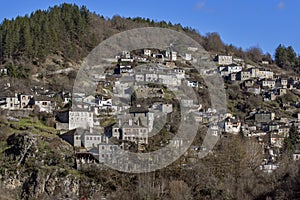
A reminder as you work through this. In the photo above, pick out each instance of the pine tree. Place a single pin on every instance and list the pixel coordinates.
(292, 140)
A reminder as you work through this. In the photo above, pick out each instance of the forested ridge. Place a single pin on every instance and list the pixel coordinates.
(61, 28)
(69, 29)
(74, 31)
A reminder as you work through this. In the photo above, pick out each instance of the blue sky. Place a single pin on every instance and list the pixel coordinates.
(259, 23)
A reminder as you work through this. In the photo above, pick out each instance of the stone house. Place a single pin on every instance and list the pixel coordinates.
(80, 119)
(243, 75)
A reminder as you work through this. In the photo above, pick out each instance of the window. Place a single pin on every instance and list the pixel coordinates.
(87, 138)
(44, 103)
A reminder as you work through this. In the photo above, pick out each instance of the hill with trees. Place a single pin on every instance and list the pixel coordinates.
(74, 31)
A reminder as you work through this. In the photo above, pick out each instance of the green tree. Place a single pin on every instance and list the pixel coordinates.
(285, 56)
(292, 140)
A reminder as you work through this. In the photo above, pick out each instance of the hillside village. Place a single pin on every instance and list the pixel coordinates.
(98, 125)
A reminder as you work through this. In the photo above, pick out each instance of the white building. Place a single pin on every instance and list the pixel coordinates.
(147, 52)
(80, 119)
(168, 80)
(224, 60)
(261, 73)
(166, 108)
(268, 83)
(90, 140)
(126, 54)
(105, 152)
(24, 100)
(10, 102)
(193, 84)
(44, 104)
(232, 126)
(3, 71)
(283, 83)
(135, 133)
(234, 69)
(173, 55)
(151, 77)
(188, 57)
(104, 102)
(139, 77)
(179, 73)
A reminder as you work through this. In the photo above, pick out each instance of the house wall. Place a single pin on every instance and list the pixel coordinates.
(12, 103)
(296, 156)
(243, 75)
(92, 140)
(167, 108)
(115, 132)
(224, 60)
(151, 77)
(232, 127)
(24, 100)
(106, 151)
(135, 134)
(263, 117)
(80, 119)
(44, 106)
(147, 52)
